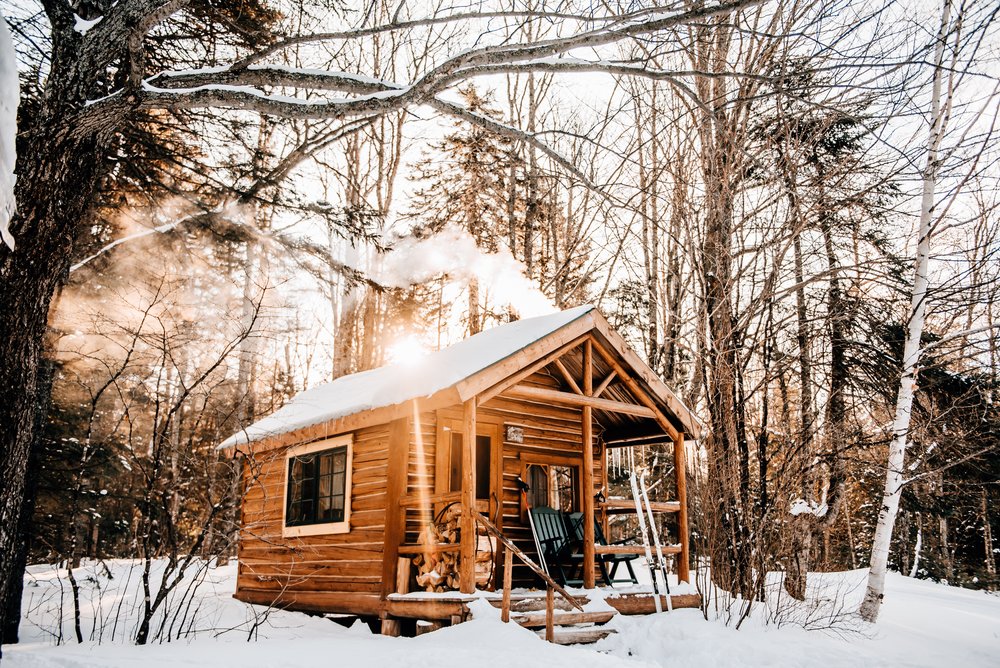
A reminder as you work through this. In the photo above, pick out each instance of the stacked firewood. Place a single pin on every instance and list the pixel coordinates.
(437, 571)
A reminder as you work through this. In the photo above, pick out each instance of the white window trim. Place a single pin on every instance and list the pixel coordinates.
(327, 527)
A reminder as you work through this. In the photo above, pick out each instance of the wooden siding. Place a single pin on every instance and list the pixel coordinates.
(335, 572)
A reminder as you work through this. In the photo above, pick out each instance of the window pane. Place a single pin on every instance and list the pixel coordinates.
(316, 487)
(538, 484)
(308, 511)
(563, 492)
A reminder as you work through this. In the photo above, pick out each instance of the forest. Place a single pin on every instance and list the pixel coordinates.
(789, 208)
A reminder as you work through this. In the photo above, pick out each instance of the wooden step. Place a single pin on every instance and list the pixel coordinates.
(537, 620)
(536, 603)
(578, 635)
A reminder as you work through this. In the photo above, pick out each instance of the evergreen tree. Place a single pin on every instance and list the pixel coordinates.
(467, 188)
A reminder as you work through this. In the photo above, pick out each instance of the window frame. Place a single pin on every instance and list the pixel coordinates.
(569, 461)
(341, 527)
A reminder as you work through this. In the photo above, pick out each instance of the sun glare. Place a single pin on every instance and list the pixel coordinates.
(408, 351)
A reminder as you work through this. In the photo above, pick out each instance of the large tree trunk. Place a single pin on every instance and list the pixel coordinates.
(728, 455)
(22, 540)
(55, 190)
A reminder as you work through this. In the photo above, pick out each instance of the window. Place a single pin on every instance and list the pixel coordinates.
(553, 486)
(318, 484)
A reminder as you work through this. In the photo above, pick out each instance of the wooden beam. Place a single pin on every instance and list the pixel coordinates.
(436, 548)
(643, 604)
(637, 391)
(434, 609)
(467, 562)
(566, 375)
(535, 620)
(403, 565)
(550, 604)
(656, 506)
(615, 340)
(555, 396)
(399, 451)
(587, 427)
(416, 500)
(604, 384)
(516, 375)
(680, 475)
(390, 627)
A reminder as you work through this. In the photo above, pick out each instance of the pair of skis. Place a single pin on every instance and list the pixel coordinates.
(657, 566)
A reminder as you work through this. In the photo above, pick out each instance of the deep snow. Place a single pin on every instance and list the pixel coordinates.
(922, 624)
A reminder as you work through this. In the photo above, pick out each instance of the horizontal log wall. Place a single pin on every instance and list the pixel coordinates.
(333, 572)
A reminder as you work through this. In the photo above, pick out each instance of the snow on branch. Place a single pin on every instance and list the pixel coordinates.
(803, 507)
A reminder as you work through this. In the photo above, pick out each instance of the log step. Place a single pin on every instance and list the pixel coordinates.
(578, 635)
(537, 620)
(536, 603)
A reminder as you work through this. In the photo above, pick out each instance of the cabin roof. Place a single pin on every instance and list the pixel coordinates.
(457, 367)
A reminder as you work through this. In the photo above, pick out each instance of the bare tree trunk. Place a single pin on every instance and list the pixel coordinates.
(875, 590)
(991, 566)
(475, 319)
(728, 474)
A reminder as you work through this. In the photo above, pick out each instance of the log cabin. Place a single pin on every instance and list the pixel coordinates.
(360, 494)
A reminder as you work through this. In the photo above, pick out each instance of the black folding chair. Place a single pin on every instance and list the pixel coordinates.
(576, 524)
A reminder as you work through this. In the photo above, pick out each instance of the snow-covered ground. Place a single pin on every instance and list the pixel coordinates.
(922, 624)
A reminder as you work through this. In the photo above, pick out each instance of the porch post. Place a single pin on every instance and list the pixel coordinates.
(680, 474)
(467, 562)
(588, 468)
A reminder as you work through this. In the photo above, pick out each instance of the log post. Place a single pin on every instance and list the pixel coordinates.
(588, 468)
(550, 606)
(680, 474)
(508, 567)
(467, 563)
(390, 627)
(403, 575)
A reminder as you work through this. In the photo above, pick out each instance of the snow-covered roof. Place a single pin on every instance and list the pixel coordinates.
(396, 383)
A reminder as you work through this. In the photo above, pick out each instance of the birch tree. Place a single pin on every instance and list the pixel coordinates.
(946, 75)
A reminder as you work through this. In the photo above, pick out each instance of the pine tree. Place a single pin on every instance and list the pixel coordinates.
(467, 188)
